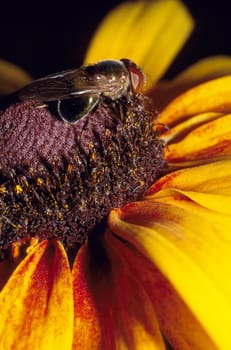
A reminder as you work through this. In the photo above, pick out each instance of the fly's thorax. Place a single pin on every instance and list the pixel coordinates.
(111, 77)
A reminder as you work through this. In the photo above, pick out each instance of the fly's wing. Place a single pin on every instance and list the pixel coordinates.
(59, 86)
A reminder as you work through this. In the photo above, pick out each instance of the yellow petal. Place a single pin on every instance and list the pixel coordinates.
(186, 248)
(203, 70)
(178, 324)
(87, 333)
(212, 96)
(37, 302)
(12, 78)
(146, 32)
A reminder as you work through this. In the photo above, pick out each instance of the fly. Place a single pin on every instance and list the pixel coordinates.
(78, 91)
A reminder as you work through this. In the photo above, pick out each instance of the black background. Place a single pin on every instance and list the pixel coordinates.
(45, 37)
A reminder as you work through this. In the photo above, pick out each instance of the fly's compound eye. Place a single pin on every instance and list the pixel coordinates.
(137, 77)
(73, 109)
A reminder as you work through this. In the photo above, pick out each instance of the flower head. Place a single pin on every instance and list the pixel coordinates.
(156, 264)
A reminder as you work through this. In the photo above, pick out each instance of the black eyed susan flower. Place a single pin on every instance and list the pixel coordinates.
(156, 262)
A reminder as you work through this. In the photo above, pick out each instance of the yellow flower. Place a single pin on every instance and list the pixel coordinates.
(161, 268)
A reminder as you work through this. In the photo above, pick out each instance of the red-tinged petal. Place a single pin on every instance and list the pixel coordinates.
(219, 203)
(212, 96)
(37, 302)
(108, 301)
(86, 324)
(199, 121)
(99, 303)
(186, 246)
(176, 321)
(211, 140)
(181, 130)
(213, 178)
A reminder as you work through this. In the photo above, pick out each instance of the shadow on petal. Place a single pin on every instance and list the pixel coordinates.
(122, 312)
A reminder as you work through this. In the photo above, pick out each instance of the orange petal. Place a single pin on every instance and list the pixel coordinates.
(86, 324)
(37, 302)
